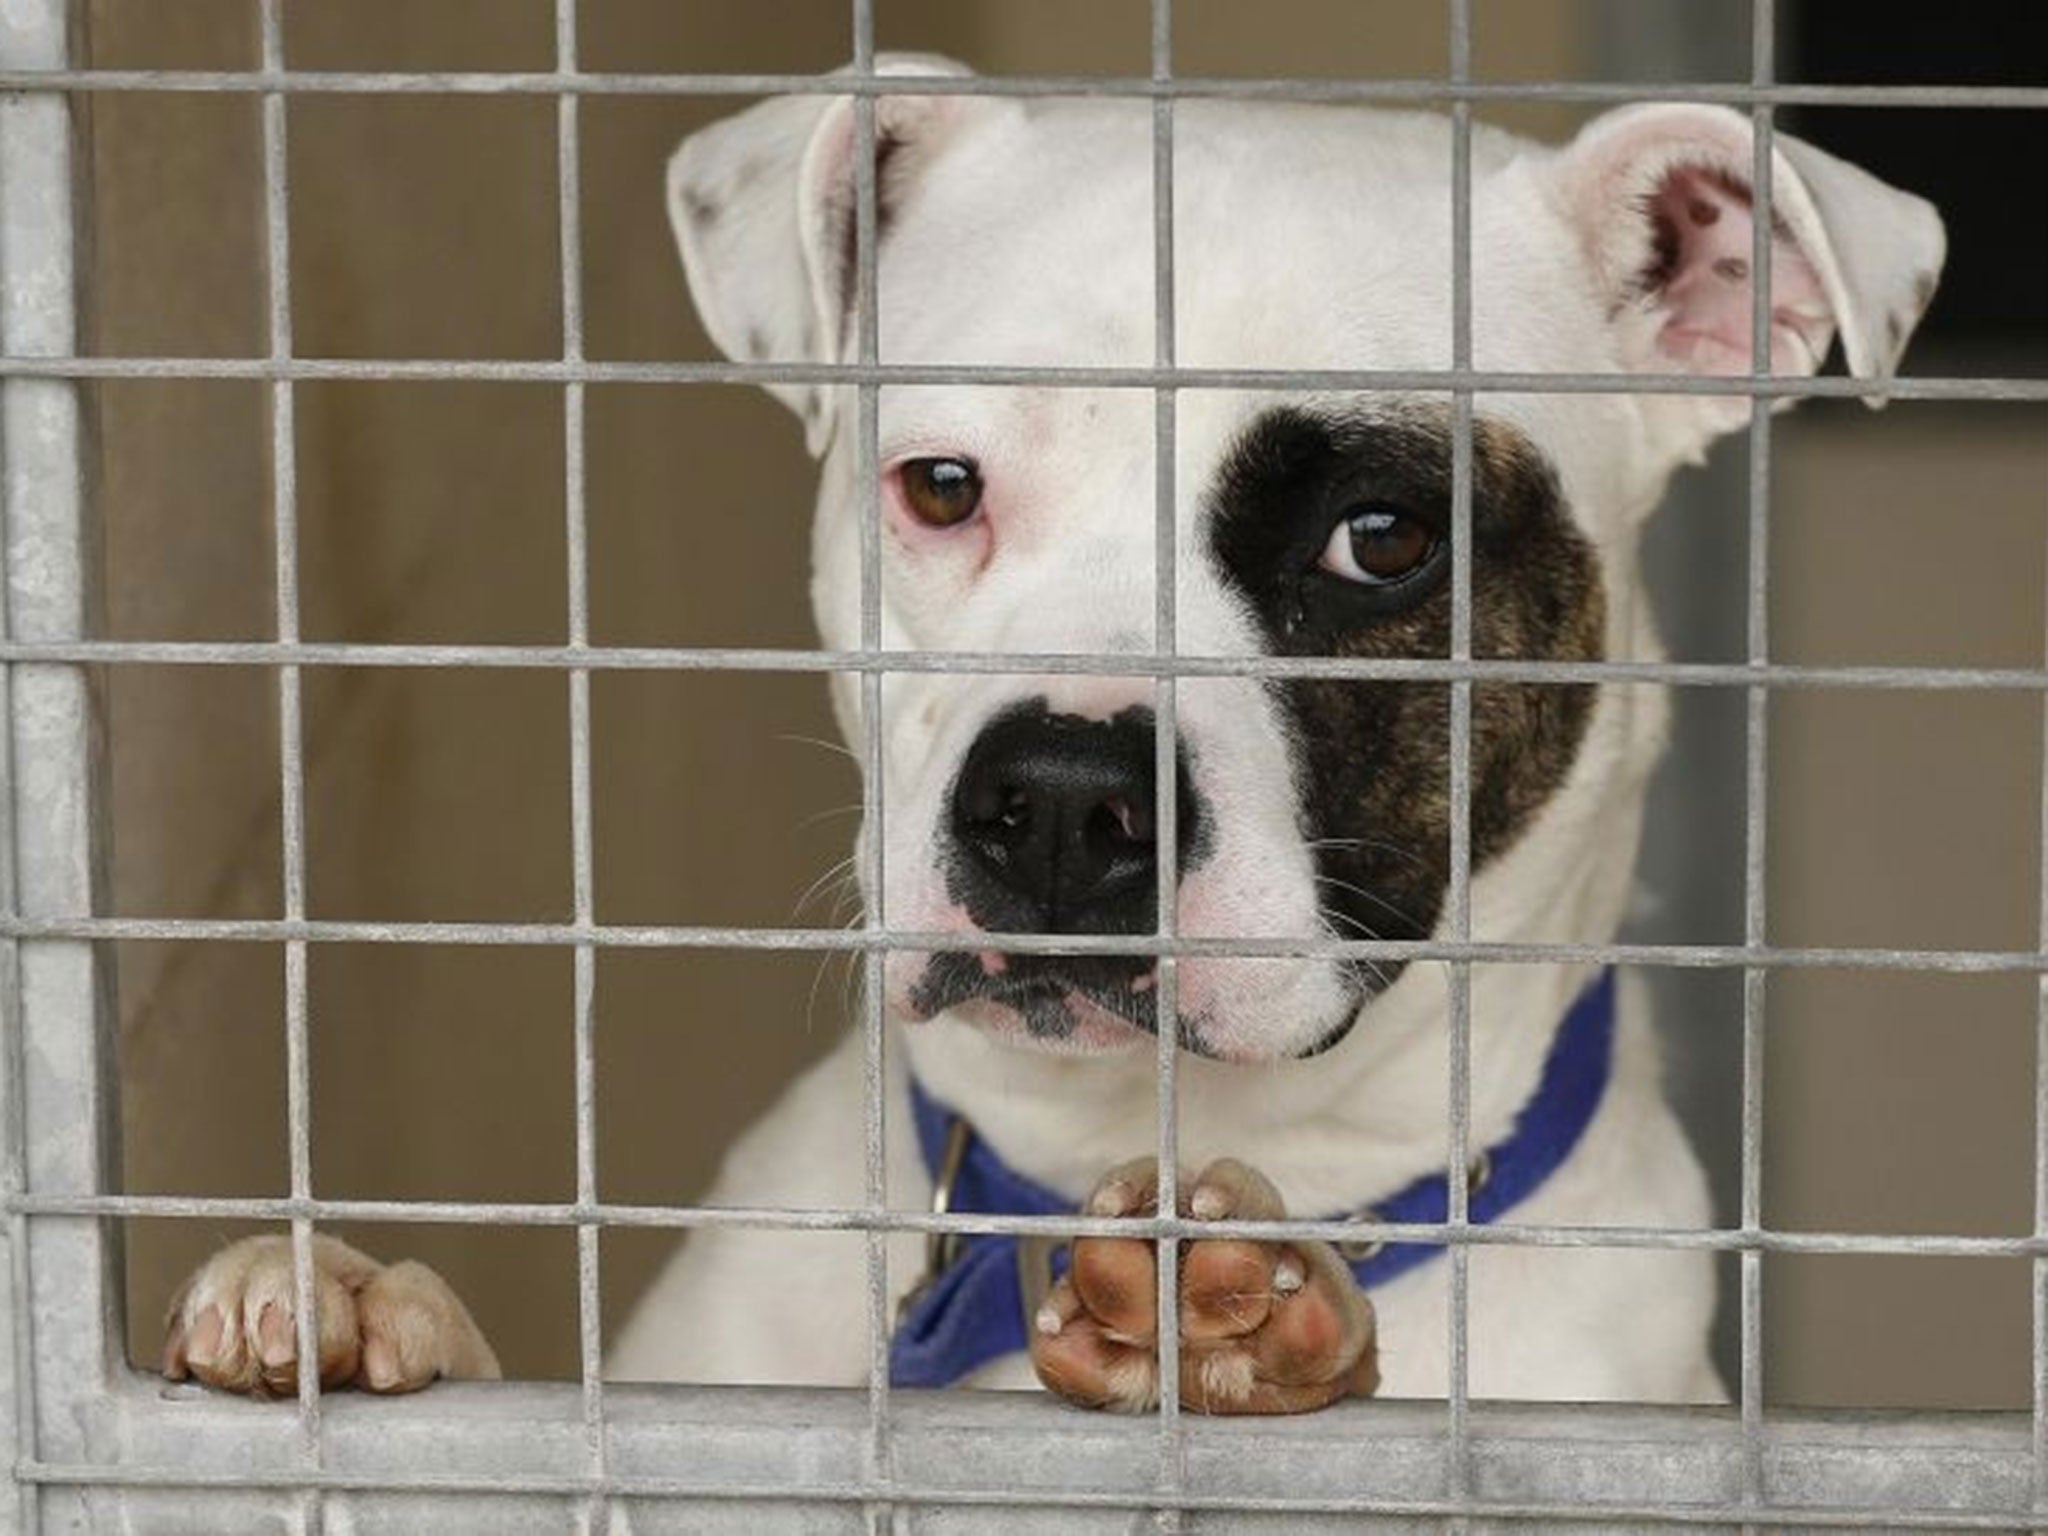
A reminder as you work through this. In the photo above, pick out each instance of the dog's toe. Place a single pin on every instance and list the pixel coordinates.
(1117, 1280)
(1228, 1284)
(234, 1325)
(414, 1330)
(1129, 1189)
(1265, 1327)
(1228, 1188)
(1226, 1289)
(1076, 1357)
(1323, 1333)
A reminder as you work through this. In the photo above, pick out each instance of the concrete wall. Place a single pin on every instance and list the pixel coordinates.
(433, 512)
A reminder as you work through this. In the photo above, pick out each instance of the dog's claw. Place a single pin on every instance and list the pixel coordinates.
(275, 1344)
(1265, 1327)
(1112, 1198)
(234, 1324)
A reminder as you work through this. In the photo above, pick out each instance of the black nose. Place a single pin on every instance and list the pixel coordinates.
(1055, 823)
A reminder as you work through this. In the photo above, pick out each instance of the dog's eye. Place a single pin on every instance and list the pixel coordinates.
(1378, 545)
(941, 493)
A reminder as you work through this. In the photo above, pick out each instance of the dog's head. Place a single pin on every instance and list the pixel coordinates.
(1026, 520)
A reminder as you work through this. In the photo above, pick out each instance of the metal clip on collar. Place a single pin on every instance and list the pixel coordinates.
(1477, 1173)
(940, 1248)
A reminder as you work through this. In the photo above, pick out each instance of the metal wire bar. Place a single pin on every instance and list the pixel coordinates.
(1178, 87)
(853, 1219)
(1020, 1449)
(291, 738)
(59, 1279)
(874, 801)
(1686, 674)
(18, 1410)
(2040, 1341)
(1172, 1470)
(582, 858)
(1302, 381)
(1763, 36)
(28, 319)
(1776, 1517)
(831, 940)
(1459, 892)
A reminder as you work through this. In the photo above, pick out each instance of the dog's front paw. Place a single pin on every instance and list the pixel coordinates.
(387, 1328)
(1264, 1327)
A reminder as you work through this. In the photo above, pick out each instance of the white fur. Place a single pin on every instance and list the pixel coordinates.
(1306, 238)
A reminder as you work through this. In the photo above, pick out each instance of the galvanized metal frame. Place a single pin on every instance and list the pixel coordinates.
(96, 1445)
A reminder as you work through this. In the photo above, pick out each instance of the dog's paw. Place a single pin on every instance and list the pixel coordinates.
(1264, 1327)
(386, 1328)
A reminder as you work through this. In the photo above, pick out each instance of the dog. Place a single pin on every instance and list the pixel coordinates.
(1019, 519)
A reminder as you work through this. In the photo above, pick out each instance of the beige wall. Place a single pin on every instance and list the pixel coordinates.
(433, 512)
(1904, 1103)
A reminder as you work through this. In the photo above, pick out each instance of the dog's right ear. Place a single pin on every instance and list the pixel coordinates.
(763, 208)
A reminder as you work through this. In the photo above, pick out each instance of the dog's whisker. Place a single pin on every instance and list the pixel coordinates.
(846, 901)
(852, 809)
(1361, 930)
(799, 739)
(1372, 845)
(1372, 896)
(825, 964)
(820, 885)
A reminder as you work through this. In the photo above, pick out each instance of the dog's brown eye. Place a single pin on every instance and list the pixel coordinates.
(1378, 546)
(941, 493)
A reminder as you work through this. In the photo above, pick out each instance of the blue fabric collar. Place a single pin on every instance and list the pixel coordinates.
(973, 1311)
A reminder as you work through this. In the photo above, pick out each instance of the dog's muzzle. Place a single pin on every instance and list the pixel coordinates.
(1052, 826)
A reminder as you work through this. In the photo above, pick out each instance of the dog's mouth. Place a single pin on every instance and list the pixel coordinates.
(1068, 1003)
(1094, 1005)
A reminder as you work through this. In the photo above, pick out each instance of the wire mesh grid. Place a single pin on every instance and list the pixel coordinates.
(1459, 1461)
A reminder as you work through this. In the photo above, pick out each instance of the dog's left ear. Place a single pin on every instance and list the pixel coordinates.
(1661, 200)
(763, 208)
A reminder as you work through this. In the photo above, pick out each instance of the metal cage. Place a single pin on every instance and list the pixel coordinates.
(97, 1445)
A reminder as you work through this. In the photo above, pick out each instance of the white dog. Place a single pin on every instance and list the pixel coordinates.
(1021, 520)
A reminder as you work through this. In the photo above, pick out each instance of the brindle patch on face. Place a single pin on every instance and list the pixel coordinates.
(1375, 755)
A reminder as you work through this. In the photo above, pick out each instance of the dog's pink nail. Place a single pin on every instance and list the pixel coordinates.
(380, 1364)
(1110, 1200)
(203, 1344)
(1288, 1276)
(274, 1341)
(1048, 1320)
(1208, 1203)
(994, 963)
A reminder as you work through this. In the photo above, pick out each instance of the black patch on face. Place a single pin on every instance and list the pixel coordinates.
(1376, 801)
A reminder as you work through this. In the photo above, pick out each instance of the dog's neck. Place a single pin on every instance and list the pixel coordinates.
(1383, 1093)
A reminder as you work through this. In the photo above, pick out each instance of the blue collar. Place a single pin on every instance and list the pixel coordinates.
(972, 1311)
